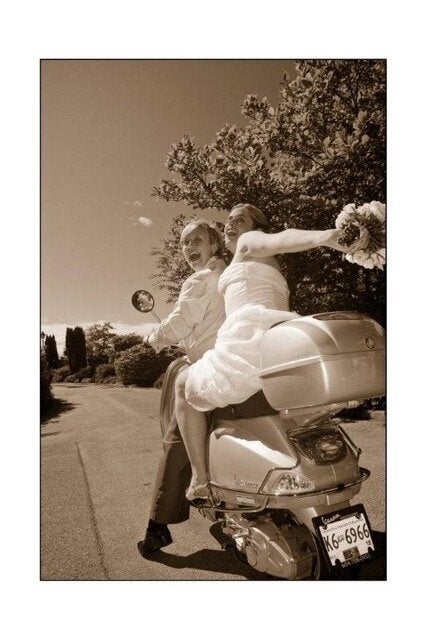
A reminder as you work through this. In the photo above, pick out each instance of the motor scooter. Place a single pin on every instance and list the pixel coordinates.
(283, 472)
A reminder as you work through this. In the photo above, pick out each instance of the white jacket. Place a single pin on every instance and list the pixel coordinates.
(197, 315)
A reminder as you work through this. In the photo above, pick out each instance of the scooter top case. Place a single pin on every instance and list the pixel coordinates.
(322, 359)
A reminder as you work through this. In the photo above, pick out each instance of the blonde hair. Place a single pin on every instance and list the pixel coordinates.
(211, 230)
(258, 218)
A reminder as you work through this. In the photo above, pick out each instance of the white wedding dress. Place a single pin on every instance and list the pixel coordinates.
(256, 296)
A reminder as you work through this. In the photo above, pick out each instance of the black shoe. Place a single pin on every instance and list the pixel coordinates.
(154, 540)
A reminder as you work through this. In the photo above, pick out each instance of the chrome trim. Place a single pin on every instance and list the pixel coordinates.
(364, 475)
(356, 450)
(259, 498)
(236, 509)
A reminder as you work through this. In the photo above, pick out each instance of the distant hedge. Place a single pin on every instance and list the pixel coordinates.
(104, 371)
(60, 374)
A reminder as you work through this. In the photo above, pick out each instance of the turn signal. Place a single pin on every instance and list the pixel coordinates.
(281, 483)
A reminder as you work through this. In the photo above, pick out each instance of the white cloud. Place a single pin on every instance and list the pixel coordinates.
(146, 222)
(134, 203)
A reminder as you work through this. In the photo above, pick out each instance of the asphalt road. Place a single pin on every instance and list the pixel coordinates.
(99, 452)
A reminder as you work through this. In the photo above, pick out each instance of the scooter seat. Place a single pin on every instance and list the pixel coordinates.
(254, 407)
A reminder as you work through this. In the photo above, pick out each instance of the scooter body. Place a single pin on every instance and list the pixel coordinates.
(282, 484)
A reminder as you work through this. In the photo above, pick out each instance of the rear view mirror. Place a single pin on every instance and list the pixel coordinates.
(143, 301)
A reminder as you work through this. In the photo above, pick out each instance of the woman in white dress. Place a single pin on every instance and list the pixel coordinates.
(256, 297)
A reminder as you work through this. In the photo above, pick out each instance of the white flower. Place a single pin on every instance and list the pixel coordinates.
(342, 220)
(349, 257)
(360, 256)
(378, 210)
(377, 260)
(349, 208)
(345, 215)
(368, 264)
(364, 209)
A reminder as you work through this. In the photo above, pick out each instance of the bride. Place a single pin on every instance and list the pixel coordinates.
(256, 296)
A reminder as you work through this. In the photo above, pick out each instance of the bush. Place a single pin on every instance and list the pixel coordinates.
(59, 375)
(104, 371)
(45, 390)
(124, 342)
(141, 366)
(71, 378)
(85, 373)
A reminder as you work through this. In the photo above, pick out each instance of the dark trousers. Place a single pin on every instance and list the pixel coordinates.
(169, 504)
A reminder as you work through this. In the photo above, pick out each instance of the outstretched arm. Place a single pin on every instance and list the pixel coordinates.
(257, 244)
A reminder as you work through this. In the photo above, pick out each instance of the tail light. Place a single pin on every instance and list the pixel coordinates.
(321, 445)
(284, 483)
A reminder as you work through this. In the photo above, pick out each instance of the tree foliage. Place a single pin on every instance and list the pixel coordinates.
(51, 352)
(100, 343)
(321, 147)
(172, 269)
(46, 396)
(123, 342)
(75, 348)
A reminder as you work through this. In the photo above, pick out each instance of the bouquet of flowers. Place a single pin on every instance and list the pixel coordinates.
(364, 228)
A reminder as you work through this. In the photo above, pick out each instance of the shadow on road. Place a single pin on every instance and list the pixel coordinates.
(55, 409)
(214, 560)
(225, 561)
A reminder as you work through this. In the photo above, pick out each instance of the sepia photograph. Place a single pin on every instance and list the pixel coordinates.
(213, 315)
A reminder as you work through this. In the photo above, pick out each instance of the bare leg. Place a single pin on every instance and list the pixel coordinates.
(193, 427)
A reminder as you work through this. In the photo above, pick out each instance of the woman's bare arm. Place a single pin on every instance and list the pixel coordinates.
(257, 244)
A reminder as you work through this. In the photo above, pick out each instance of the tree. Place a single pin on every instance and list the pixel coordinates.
(99, 343)
(69, 346)
(321, 147)
(80, 347)
(51, 352)
(46, 396)
(75, 348)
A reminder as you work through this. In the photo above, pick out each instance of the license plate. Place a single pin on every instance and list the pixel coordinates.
(345, 535)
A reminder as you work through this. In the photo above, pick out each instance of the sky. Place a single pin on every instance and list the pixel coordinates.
(106, 126)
